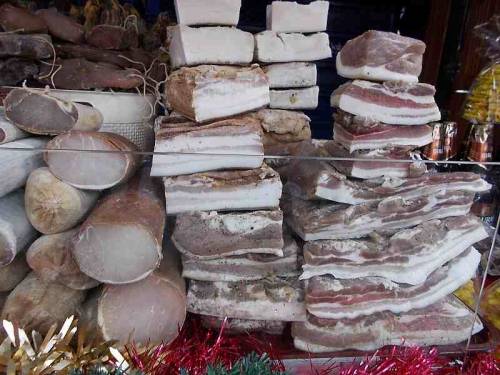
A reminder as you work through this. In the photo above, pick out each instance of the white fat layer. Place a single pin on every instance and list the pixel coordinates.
(295, 98)
(420, 99)
(290, 75)
(265, 194)
(210, 45)
(235, 224)
(282, 47)
(365, 172)
(371, 73)
(459, 272)
(307, 18)
(213, 12)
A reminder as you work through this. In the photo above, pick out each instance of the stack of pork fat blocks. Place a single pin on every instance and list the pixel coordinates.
(239, 259)
(386, 242)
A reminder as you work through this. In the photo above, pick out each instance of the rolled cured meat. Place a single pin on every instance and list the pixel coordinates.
(40, 113)
(36, 305)
(51, 258)
(13, 274)
(121, 240)
(53, 206)
(8, 131)
(87, 167)
(16, 232)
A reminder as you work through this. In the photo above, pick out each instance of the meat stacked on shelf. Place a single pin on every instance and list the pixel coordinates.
(240, 261)
(386, 242)
(290, 53)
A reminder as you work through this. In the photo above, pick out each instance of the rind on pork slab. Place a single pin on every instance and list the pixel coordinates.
(408, 256)
(320, 220)
(236, 143)
(268, 299)
(331, 298)
(100, 160)
(243, 326)
(61, 26)
(41, 113)
(362, 133)
(15, 70)
(201, 12)
(35, 46)
(21, 20)
(12, 274)
(392, 102)
(211, 235)
(381, 56)
(318, 180)
(208, 92)
(446, 322)
(302, 98)
(251, 189)
(245, 267)
(291, 75)
(271, 47)
(209, 45)
(16, 165)
(8, 131)
(291, 17)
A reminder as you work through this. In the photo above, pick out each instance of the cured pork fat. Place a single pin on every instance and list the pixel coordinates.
(8, 131)
(408, 256)
(446, 322)
(290, 75)
(235, 142)
(35, 47)
(291, 17)
(271, 299)
(381, 56)
(209, 45)
(323, 221)
(12, 274)
(395, 103)
(327, 297)
(227, 190)
(203, 235)
(305, 98)
(239, 326)
(201, 12)
(209, 92)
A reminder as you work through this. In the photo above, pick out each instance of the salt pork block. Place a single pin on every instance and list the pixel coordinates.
(37, 305)
(210, 45)
(281, 47)
(20, 19)
(392, 102)
(121, 240)
(209, 92)
(16, 232)
(157, 305)
(13, 274)
(50, 257)
(251, 189)
(41, 113)
(236, 143)
(16, 166)
(295, 98)
(291, 17)
(211, 235)
(243, 326)
(92, 170)
(446, 322)
(381, 56)
(202, 12)
(290, 75)
(8, 131)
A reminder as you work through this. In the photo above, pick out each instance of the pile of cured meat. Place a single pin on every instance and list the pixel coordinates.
(386, 241)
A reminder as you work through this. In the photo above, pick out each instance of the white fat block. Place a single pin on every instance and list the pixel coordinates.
(290, 75)
(287, 47)
(207, 12)
(295, 98)
(209, 45)
(290, 17)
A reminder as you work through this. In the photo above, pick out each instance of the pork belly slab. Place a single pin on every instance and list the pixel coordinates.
(394, 103)
(409, 256)
(381, 56)
(208, 92)
(211, 235)
(251, 189)
(269, 299)
(325, 220)
(303, 98)
(244, 267)
(233, 143)
(239, 326)
(209, 45)
(362, 133)
(330, 298)
(446, 322)
(319, 180)
(289, 16)
(290, 75)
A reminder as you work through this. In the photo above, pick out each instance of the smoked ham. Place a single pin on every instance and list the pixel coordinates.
(35, 46)
(20, 20)
(61, 26)
(113, 37)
